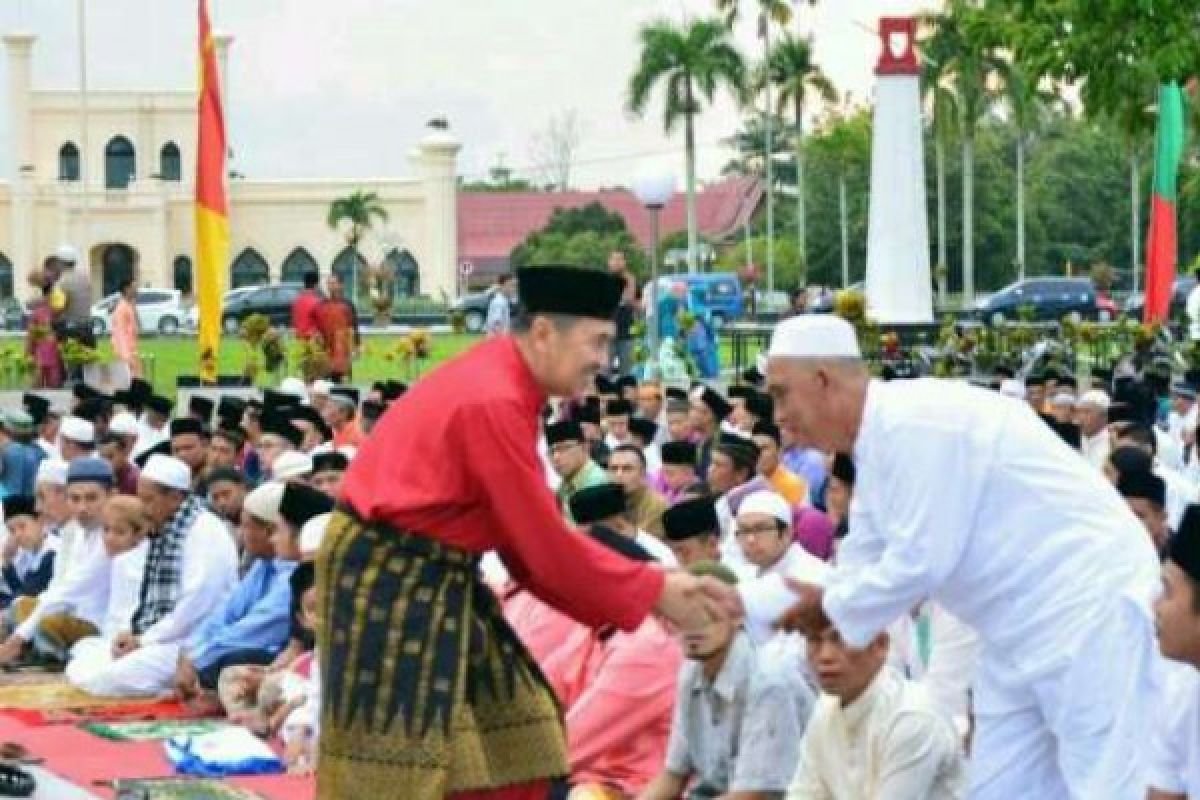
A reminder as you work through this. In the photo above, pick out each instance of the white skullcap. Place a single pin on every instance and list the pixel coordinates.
(1094, 398)
(814, 336)
(292, 464)
(1012, 388)
(1063, 399)
(349, 451)
(770, 503)
(312, 533)
(294, 387)
(263, 502)
(52, 471)
(124, 424)
(66, 252)
(320, 388)
(77, 429)
(168, 471)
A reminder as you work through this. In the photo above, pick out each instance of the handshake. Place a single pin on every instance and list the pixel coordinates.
(766, 604)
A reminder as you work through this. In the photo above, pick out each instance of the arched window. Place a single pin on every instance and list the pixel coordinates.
(248, 269)
(117, 266)
(406, 276)
(6, 277)
(182, 269)
(68, 162)
(169, 166)
(120, 163)
(344, 266)
(298, 264)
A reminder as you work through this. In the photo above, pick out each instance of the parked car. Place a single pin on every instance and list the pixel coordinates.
(15, 316)
(1135, 304)
(1050, 298)
(719, 294)
(192, 320)
(474, 308)
(274, 302)
(160, 310)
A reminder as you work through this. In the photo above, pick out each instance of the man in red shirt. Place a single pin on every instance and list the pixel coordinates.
(304, 308)
(430, 694)
(337, 325)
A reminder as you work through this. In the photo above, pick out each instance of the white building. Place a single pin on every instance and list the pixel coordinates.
(122, 194)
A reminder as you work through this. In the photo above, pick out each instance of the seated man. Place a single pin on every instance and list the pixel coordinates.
(608, 505)
(226, 490)
(1146, 495)
(693, 533)
(329, 468)
(28, 557)
(764, 533)
(250, 627)
(191, 567)
(873, 735)
(627, 466)
(678, 471)
(1175, 749)
(787, 483)
(735, 731)
(572, 462)
(73, 605)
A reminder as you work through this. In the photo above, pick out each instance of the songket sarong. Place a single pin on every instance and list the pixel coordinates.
(429, 691)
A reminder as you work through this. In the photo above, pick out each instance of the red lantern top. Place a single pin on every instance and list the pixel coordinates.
(903, 62)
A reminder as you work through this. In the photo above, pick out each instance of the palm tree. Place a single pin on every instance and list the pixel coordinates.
(965, 38)
(354, 215)
(943, 106)
(692, 62)
(1027, 104)
(791, 69)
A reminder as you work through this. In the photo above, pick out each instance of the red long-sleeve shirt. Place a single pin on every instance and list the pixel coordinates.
(456, 459)
(304, 313)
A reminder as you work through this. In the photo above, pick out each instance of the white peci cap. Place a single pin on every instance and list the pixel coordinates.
(66, 253)
(124, 424)
(295, 387)
(814, 336)
(292, 464)
(320, 388)
(77, 429)
(168, 471)
(263, 502)
(1094, 398)
(312, 533)
(769, 503)
(52, 471)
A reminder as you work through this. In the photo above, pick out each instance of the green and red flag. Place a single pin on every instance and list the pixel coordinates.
(1162, 242)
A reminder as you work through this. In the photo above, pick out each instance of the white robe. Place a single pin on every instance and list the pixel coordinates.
(967, 498)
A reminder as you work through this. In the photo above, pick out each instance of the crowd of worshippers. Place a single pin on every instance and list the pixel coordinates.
(147, 553)
(150, 550)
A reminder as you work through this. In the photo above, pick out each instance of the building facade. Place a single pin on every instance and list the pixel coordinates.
(120, 191)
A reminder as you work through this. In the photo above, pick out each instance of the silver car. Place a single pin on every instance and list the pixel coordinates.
(158, 310)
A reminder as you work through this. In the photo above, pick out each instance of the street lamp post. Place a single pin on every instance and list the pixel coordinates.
(653, 190)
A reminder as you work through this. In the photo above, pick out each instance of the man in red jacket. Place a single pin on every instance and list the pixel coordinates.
(304, 308)
(430, 694)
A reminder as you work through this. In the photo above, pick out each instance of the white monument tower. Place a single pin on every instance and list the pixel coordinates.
(898, 279)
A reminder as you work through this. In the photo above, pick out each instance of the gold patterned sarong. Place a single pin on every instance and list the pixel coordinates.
(426, 690)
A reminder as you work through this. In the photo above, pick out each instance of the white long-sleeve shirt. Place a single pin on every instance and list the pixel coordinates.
(124, 590)
(965, 497)
(80, 582)
(890, 743)
(210, 573)
(1175, 749)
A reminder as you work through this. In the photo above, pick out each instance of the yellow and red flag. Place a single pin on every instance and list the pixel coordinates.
(212, 206)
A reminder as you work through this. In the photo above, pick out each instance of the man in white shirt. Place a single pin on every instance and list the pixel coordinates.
(191, 566)
(967, 498)
(1181, 492)
(74, 604)
(1193, 313)
(1175, 761)
(1181, 420)
(1091, 413)
(873, 734)
(499, 310)
(764, 533)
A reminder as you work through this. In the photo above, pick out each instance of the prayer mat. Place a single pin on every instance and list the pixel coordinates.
(180, 789)
(51, 696)
(124, 710)
(153, 730)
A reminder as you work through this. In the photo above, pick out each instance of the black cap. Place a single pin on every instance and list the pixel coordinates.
(688, 518)
(624, 545)
(565, 431)
(716, 403)
(742, 392)
(231, 407)
(843, 468)
(313, 417)
(82, 391)
(93, 408)
(140, 391)
(394, 390)
(371, 410)
(768, 429)
(330, 461)
(201, 408)
(225, 475)
(761, 406)
(598, 502)
(644, 429)
(605, 385)
(37, 406)
(572, 291)
(753, 377)
(346, 393)
(19, 505)
(185, 425)
(1184, 547)
(627, 382)
(275, 400)
(679, 454)
(743, 451)
(160, 405)
(300, 503)
(676, 393)
(1144, 484)
(617, 408)
(278, 424)
(163, 448)
(589, 411)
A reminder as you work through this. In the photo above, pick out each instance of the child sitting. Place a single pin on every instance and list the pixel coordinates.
(28, 555)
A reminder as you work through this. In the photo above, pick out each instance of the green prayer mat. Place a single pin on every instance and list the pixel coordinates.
(153, 730)
(180, 789)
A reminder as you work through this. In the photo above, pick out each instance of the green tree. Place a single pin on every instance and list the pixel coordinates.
(584, 237)
(840, 154)
(943, 106)
(789, 266)
(791, 69)
(354, 215)
(691, 62)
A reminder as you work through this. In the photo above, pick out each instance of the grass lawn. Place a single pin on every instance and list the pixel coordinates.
(168, 358)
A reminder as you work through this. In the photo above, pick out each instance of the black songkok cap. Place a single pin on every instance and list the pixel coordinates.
(278, 424)
(605, 385)
(301, 502)
(624, 545)
(37, 406)
(82, 391)
(617, 408)
(140, 391)
(188, 425)
(201, 408)
(276, 400)
(743, 392)
(753, 377)
(346, 393)
(843, 468)
(572, 291)
(627, 382)
(1184, 546)
(93, 408)
(565, 431)
(231, 407)
(647, 429)
(766, 428)
(761, 406)
(716, 403)
(1144, 484)
(313, 417)
(743, 451)
(676, 393)
(19, 505)
(330, 461)
(394, 390)
(163, 448)
(372, 410)
(160, 405)
(688, 518)
(679, 453)
(597, 502)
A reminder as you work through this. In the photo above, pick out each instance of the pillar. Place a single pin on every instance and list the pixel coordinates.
(898, 277)
(221, 43)
(19, 47)
(437, 160)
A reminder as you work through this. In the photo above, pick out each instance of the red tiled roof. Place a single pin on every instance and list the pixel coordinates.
(491, 224)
